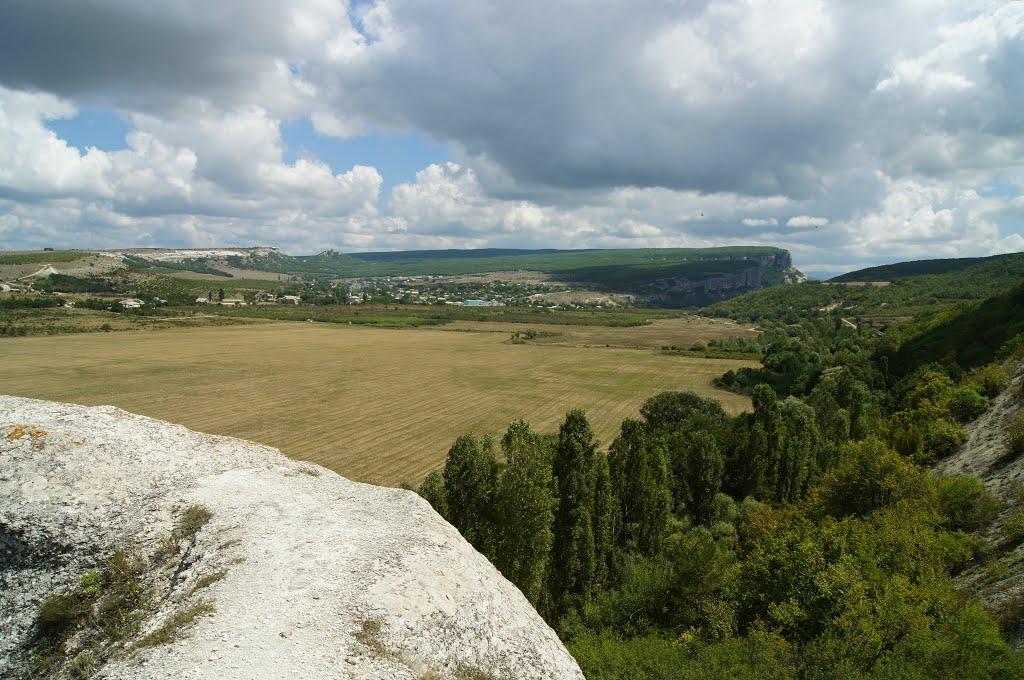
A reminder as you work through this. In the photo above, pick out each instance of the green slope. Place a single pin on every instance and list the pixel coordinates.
(969, 336)
(907, 296)
(900, 270)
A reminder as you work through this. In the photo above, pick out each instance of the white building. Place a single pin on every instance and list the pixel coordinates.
(293, 299)
(131, 303)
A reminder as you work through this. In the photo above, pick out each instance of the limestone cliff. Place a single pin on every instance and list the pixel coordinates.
(158, 552)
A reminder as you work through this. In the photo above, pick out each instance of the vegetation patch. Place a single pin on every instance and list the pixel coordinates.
(82, 627)
(41, 256)
(64, 283)
(371, 637)
(176, 625)
(79, 629)
(208, 580)
(931, 297)
(1015, 437)
(194, 518)
(191, 520)
(1013, 528)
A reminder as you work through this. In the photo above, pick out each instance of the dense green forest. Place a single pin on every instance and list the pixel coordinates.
(911, 296)
(964, 336)
(804, 539)
(900, 270)
(72, 284)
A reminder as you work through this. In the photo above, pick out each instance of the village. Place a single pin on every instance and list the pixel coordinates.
(117, 291)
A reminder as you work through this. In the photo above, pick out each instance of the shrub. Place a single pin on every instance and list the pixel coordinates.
(672, 590)
(1013, 530)
(726, 530)
(942, 439)
(966, 503)
(928, 386)
(870, 475)
(723, 509)
(1010, 615)
(907, 440)
(192, 520)
(120, 610)
(1015, 436)
(84, 665)
(60, 614)
(1012, 348)
(967, 403)
(990, 379)
(176, 625)
(91, 584)
(107, 607)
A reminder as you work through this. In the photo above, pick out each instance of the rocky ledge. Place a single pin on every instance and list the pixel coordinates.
(132, 547)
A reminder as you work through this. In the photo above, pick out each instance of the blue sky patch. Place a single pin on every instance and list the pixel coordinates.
(398, 156)
(101, 128)
(1000, 189)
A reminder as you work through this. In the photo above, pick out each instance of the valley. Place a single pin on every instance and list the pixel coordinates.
(376, 405)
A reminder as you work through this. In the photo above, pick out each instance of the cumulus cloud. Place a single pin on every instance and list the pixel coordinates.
(210, 180)
(805, 221)
(652, 124)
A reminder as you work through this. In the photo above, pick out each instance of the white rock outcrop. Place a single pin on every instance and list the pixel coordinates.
(322, 577)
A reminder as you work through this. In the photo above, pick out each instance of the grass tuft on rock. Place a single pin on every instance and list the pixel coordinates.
(177, 625)
(208, 580)
(106, 607)
(370, 636)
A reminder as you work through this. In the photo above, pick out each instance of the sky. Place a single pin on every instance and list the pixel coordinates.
(852, 133)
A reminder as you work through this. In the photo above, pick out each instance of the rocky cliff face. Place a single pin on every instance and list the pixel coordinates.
(764, 270)
(998, 581)
(134, 548)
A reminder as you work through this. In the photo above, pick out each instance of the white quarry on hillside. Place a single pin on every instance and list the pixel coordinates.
(309, 574)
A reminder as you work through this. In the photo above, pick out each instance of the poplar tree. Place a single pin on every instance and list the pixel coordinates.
(573, 555)
(525, 508)
(764, 443)
(640, 483)
(705, 466)
(798, 459)
(470, 476)
(604, 545)
(432, 489)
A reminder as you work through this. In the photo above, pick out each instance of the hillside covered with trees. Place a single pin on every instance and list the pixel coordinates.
(914, 294)
(902, 270)
(804, 539)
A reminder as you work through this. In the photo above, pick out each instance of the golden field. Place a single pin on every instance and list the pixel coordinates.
(376, 405)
